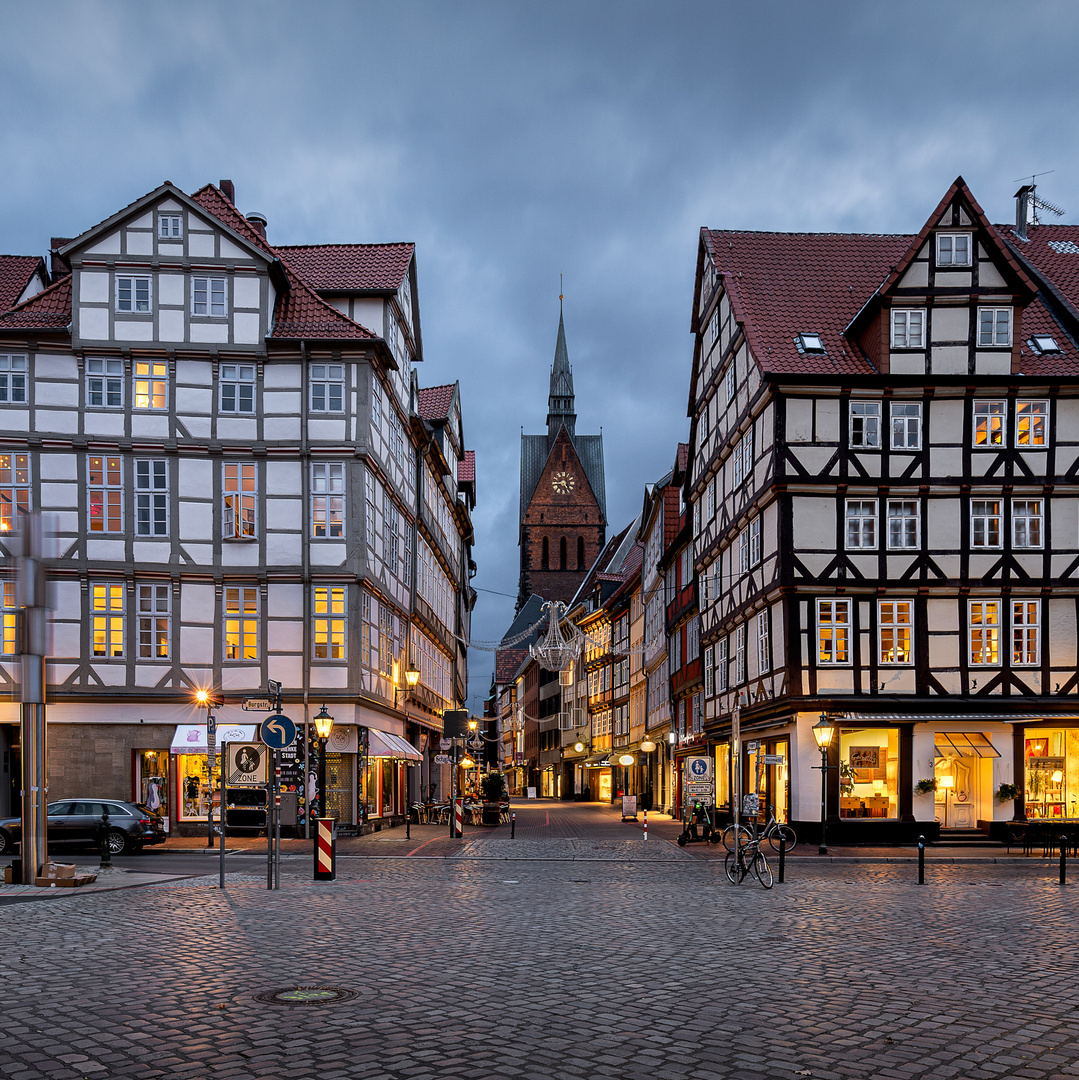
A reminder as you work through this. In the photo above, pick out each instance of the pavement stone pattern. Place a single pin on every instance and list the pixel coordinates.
(551, 967)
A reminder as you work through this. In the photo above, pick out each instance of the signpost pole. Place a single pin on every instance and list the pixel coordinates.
(269, 822)
(211, 758)
(277, 820)
(221, 857)
(736, 765)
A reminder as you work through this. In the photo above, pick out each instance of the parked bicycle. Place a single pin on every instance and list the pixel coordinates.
(746, 857)
(775, 832)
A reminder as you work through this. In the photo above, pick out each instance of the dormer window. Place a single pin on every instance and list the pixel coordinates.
(1044, 343)
(994, 326)
(170, 227)
(953, 249)
(810, 343)
(907, 328)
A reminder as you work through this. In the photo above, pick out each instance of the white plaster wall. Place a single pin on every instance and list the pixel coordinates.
(283, 514)
(245, 290)
(140, 243)
(56, 421)
(170, 325)
(904, 363)
(284, 377)
(209, 332)
(283, 549)
(245, 553)
(147, 426)
(93, 287)
(284, 636)
(949, 323)
(281, 428)
(93, 323)
(993, 363)
(196, 520)
(109, 244)
(949, 360)
(200, 244)
(55, 496)
(246, 328)
(814, 522)
(103, 423)
(229, 250)
(944, 528)
(284, 478)
(47, 366)
(132, 330)
(170, 289)
(197, 602)
(58, 466)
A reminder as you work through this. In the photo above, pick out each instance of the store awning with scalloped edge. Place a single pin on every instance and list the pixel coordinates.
(385, 745)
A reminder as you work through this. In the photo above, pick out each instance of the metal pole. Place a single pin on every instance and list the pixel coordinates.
(277, 820)
(513, 825)
(269, 820)
(782, 856)
(823, 849)
(1063, 860)
(921, 860)
(211, 757)
(453, 793)
(221, 856)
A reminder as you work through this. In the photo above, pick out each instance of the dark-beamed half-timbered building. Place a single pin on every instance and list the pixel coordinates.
(885, 502)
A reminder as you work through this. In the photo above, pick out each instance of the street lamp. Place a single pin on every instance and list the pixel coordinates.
(823, 730)
(412, 680)
(206, 701)
(323, 725)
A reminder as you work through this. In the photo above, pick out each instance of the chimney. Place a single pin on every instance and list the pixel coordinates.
(228, 189)
(57, 267)
(1022, 203)
(258, 219)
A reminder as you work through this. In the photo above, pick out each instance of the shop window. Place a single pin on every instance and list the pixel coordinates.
(723, 774)
(9, 644)
(868, 772)
(199, 788)
(153, 780)
(1052, 773)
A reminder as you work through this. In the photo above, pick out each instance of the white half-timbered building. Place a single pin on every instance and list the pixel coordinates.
(243, 482)
(885, 449)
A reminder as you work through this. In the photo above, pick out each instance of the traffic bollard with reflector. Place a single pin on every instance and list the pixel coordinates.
(325, 849)
(457, 819)
(646, 824)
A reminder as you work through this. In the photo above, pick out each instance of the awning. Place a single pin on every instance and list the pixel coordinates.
(385, 745)
(598, 761)
(964, 744)
(191, 738)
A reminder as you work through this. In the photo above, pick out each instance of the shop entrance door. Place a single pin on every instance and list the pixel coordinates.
(339, 787)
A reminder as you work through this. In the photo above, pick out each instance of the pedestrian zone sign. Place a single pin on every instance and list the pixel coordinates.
(247, 764)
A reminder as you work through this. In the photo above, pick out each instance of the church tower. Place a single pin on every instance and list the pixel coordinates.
(563, 495)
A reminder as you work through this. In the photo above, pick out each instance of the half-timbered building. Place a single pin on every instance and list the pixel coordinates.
(885, 519)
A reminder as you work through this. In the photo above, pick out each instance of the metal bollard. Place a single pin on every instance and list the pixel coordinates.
(921, 860)
(513, 825)
(782, 857)
(1063, 860)
(408, 824)
(103, 841)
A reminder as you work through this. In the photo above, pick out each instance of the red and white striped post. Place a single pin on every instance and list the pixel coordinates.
(458, 817)
(646, 824)
(325, 849)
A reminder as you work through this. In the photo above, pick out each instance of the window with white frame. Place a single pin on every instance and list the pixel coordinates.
(329, 621)
(105, 493)
(133, 294)
(14, 489)
(990, 418)
(151, 497)
(151, 381)
(1026, 632)
(392, 518)
(994, 326)
(209, 297)
(739, 655)
(953, 249)
(709, 673)
(702, 425)
(730, 382)
(861, 517)
(903, 520)
(237, 388)
(743, 552)
(984, 632)
(389, 638)
(433, 583)
(906, 425)
(1028, 516)
(1031, 423)
(743, 457)
(764, 651)
(239, 520)
(833, 631)
(154, 620)
(895, 621)
(709, 501)
(370, 522)
(327, 500)
(908, 328)
(104, 383)
(722, 668)
(436, 671)
(755, 541)
(241, 622)
(406, 565)
(9, 619)
(107, 620)
(14, 372)
(985, 523)
(865, 425)
(376, 405)
(170, 227)
(327, 383)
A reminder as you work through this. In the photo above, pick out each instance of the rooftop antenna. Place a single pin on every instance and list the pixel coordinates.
(1037, 203)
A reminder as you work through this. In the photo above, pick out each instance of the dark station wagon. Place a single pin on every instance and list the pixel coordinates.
(77, 821)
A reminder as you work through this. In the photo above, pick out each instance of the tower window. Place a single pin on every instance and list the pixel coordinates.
(562, 553)
(580, 552)
(546, 565)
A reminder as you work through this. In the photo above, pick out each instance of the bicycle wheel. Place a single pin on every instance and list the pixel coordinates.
(762, 870)
(730, 867)
(733, 831)
(784, 832)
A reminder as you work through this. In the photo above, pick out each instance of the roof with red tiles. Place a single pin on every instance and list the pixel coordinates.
(351, 267)
(48, 310)
(466, 468)
(434, 402)
(16, 272)
(1053, 252)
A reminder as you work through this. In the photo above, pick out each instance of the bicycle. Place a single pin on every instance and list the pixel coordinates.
(774, 832)
(737, 864)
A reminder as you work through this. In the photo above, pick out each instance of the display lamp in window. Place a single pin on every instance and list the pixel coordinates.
(823, 732)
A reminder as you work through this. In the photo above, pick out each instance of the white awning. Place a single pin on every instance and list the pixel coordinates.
(191, 738)
(385, 745)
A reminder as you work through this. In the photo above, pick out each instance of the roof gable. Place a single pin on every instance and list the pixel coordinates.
(16, 274)
(563, 457)
(377, 268)
(48, 310)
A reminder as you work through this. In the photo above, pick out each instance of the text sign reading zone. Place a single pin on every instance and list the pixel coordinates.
(278, 732)
(247, 764)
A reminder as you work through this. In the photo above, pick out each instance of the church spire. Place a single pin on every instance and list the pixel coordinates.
(560, 406)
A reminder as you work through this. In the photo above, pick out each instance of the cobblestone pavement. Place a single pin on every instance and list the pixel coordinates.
(621, 964)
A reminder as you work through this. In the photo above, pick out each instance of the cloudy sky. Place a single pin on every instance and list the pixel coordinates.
(514, 142)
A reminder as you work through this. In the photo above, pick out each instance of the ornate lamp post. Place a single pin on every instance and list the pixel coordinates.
(323, 726)
(823, 730)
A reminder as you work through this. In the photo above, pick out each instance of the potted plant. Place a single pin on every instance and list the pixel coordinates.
(494, 789)
(846, 778)
(1007, 791)
(926, 785)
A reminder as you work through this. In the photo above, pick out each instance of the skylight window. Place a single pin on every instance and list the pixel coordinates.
(1044, 343)
(811, 343)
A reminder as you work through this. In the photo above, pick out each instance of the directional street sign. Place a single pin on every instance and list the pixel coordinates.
(443, 759)
(772, 759)
(278, 732)
(274, 687)
(257, 704)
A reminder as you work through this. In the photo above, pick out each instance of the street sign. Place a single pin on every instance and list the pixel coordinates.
(274, 687)
(445, 744)
(699, 789)
(699, 770)
(772, 759)
(257, 704)
(211, 729)
(443, 759)
(247, 764)
(752, 747)
(278, 732)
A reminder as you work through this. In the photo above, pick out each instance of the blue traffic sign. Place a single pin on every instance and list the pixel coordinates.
(278, 732)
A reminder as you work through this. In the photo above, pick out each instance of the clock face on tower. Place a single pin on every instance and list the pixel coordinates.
(562, 483)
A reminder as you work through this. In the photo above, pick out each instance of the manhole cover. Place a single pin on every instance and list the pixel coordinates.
(306, 995)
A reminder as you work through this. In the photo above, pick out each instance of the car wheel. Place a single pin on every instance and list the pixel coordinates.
(6, 844)
(117, 842)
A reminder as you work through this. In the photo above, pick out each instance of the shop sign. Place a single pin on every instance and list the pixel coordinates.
(772, 759)
(445, 744)
(443, 759)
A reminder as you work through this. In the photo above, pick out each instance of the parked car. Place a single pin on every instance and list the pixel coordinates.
(76, 821)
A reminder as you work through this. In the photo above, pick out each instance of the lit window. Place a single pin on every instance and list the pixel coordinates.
(865, 424)
(208, 297)
(329, 622)
(833, 631)
(328, 500)
(994, 326)
(1027, 519)
(105, 383)
(152, 498)
(989, 421)
(107, 620)
(811, 343)
(238, 388)
(170, 227)
(151, 384)
(240, 490)
(9, 620)
(154, 621)
(14, 489)
(1044, 343)
(13, 375)
(861, 523)
(908, 328)
(984, 632)
(906, 425)
(1026, 646)
(902, 523)
(133, 295)
(241, 622)
(985, 523)
(327, 387)
(895, 619)
(1031, 423)
(953, 249)
(105, 491)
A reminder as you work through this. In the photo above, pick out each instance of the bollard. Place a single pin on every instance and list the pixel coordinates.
(646, 824)
(921, 860)
(408, 824)
(325, 849)
(103, 841)
(782, 856)
(1063, 860)
(513, 825)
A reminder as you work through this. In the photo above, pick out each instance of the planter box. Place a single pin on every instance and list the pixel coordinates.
(490, 814)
